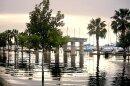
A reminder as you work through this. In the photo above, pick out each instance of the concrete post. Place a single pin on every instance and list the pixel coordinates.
(81, 53)
(73, 53)
(65, 55)
(45, 57)
(57, 56)
(37, 56)
(49, 57)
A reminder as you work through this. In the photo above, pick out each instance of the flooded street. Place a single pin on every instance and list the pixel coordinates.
(111, 71)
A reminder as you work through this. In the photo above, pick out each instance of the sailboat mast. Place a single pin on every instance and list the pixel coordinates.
(74, 32)
(67, 31)
(109, 36)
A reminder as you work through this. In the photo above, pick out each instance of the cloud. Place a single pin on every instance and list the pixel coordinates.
(79, 7)
(78, 13)
(17, 6)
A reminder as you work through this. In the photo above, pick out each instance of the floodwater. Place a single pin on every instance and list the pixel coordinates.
(111, 71)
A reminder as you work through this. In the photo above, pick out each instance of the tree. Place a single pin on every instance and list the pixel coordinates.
(121, 26)
(97, 27)
(44, 25)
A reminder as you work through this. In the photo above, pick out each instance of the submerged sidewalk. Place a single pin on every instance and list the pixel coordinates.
(24, 81)
(3, 82)
(16, 81)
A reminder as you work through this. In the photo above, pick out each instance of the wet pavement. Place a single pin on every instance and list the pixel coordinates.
(111, 71)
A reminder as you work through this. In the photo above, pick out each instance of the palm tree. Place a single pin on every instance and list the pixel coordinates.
(22, 41)
(33, 41)
(121, 24)
(15, 33)
(9, 41)
(3, 39)
(97, 27)
(30, 43)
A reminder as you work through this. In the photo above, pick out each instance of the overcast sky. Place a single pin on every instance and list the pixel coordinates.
(14, 13)
(79, 7)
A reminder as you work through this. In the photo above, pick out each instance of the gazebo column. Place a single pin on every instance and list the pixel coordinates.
(73, 53)
(57, 56)
(65, 55)
(49, 57)
(45, 56)
(81, 53)
(37, 57)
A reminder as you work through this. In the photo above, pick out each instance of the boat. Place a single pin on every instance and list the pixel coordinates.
(89, 48)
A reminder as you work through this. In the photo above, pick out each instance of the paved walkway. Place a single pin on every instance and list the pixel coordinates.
(18, 81)
(14, 81)
(25, 81)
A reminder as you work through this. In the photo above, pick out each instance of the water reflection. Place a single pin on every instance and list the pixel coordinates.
(122, 79)
(3, 60)
(55, 71)
(99, 79)
(88, 71)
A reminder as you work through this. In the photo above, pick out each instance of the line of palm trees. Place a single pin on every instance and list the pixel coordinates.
(120, 26)
(42, 32)
(6, 39)
(13, 37)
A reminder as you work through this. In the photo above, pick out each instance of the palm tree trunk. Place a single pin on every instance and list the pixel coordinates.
(97, 42)
(123, 72)
(8, 55)
(97, 72)
(45, 56)
(37, 56)
(43, 67)
(124, 53)
(16, 55)
(15, 51)
(3, 51)
(22, 55)
(4, 56)
(128, 54)
(29, 59)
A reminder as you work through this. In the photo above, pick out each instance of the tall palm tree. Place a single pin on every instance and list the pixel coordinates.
(15, 34)
(9, 41)
(33, 41)
(3, 39)
(22, 41)
(97, 27)
(121, 24)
